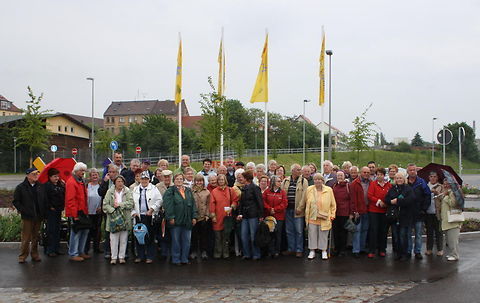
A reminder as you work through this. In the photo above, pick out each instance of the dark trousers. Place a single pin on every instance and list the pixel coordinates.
(276, 238)
(340, 234)
(377, 232)
(95, 233)
(146, 251)
(200, 236)
(396, 247)
(403, 240)
(432, 225)
(53, 231)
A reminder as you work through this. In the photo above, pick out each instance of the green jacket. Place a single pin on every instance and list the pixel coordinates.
(126, 206)
(178, 208)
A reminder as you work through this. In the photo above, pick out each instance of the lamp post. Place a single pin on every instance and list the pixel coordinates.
(15, 155)
(433, 139)
(93, 120)
(329, 53)
(304, 102)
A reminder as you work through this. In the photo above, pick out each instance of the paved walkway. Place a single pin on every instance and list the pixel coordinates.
(286, 279)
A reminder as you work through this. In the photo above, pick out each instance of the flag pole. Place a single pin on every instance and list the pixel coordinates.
(266, 135)
(180, 113)
(220, 75)
(322, 144)
(321, 97)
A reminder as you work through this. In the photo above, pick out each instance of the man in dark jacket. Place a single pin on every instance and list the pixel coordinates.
(420, 203)
(29, 200)
(129, 174)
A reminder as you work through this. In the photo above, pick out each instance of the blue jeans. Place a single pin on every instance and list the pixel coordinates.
(360, 235)
(53, 231)
(418, 227)
(396, 245)
(404, 239)
(77, 242)
(249, 229)
(181, 237)
(294, 229)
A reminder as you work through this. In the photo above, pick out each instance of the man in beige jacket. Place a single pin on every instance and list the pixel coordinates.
(295, 186)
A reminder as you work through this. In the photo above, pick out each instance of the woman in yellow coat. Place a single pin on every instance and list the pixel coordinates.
(320, 208)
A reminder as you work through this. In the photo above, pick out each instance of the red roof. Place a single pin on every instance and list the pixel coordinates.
(12, 107)
(191, 122)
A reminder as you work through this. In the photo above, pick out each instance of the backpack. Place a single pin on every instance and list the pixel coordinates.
(262, 236)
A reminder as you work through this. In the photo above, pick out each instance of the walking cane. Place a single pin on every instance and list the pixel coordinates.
(329, 242)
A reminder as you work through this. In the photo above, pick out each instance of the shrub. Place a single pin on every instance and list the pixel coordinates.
(470, 190)
(6, 197)
(10, 228)
(470, 225)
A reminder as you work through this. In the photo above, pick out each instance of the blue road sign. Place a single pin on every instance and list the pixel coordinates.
(114, 145)
(53, 148)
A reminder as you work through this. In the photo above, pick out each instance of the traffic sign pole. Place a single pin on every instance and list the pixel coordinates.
(461, 136)
(444, 144)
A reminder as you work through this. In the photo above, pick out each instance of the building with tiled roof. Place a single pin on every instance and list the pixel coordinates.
(7, 108)
(123, 113)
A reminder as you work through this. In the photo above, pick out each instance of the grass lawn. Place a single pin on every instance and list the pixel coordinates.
(381, 157)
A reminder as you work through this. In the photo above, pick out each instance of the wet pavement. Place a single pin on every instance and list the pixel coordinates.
(286, 279)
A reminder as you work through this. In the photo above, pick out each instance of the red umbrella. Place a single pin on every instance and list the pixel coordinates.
(64, 165)
(425, 171)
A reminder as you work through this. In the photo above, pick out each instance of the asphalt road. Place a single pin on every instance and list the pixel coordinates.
(437, 280)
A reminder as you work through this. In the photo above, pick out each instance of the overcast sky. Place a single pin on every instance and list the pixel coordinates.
(413, 60)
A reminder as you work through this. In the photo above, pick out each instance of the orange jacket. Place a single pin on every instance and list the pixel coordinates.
(75, 198)
(219, 199)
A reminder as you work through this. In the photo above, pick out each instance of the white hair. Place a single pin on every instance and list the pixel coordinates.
(135, 161)
(271, 162)
(262, 166)
(250, 165)
(210, 177)
(306, 166)
(238, 172)
(93, 170)
(346, 163)
(328, 162)
(79, 166)
(294, 165)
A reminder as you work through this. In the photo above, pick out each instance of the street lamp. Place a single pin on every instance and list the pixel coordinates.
(304, 102)
(329, 53)
(93, 120)
(433, 139)
(15, 155)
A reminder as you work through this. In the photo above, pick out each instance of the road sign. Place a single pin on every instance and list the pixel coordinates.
(138, 149)
(53, 148)
(114, 145)
(448, 137)
(74, 151)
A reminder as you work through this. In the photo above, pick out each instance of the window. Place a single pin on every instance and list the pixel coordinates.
(121, 120)
(130, 119)
(107, 120)
(3, 113)
(66, 129)
(4, 105)
(59, 128)
(71, 129)
(112, 119)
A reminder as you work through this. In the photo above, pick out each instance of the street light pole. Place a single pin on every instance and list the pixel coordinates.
(461, 135)
(304, 102)
(15, 155)
(433, 139)
(329, 53)
(93, 120)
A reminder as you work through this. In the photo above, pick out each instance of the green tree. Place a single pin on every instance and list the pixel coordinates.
(362, 134)
(32, 130)
(469, 147)
(417, 140)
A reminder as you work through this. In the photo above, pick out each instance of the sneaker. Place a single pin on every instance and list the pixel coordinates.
(113, 262)
(428, 253)
(311, 255)
(370, 256)
(21, 260)
(418, 256)
(137, 260)
(440, 253)
(324, 255)
(149, 261)
(193, 256)
(122, 261)
(76, 259)
(451, 258)
(204, 255)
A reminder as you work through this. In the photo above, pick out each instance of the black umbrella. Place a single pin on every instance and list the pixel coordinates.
(439, 169)
(456, 189)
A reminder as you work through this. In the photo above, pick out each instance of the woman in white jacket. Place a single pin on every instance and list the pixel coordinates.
(147, 201)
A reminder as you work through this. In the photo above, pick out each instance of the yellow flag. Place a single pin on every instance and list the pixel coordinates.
(178, 82)
(221, 70)
(322, 72)
(260, 92)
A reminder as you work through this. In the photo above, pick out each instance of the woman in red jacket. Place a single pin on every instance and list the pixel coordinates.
(275, 203)
(75, 204)
(345, 208)
(377, 232)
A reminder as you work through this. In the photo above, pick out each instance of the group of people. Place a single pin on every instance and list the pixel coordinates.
(249, 210)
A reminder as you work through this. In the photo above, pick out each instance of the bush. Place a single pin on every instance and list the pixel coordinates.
(10, 228)
(470, 225)
(402, 147)
(470, 190)
(6, 197)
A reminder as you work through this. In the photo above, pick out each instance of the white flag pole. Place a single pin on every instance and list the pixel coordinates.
(266, 135)
(221, 100)
(180, 116)
(322, 144)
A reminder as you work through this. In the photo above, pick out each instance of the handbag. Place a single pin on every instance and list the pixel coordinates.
(455, 216)
(322, 215)
(117, 221)
(350, 226)
(392, 214)
(82, 223)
